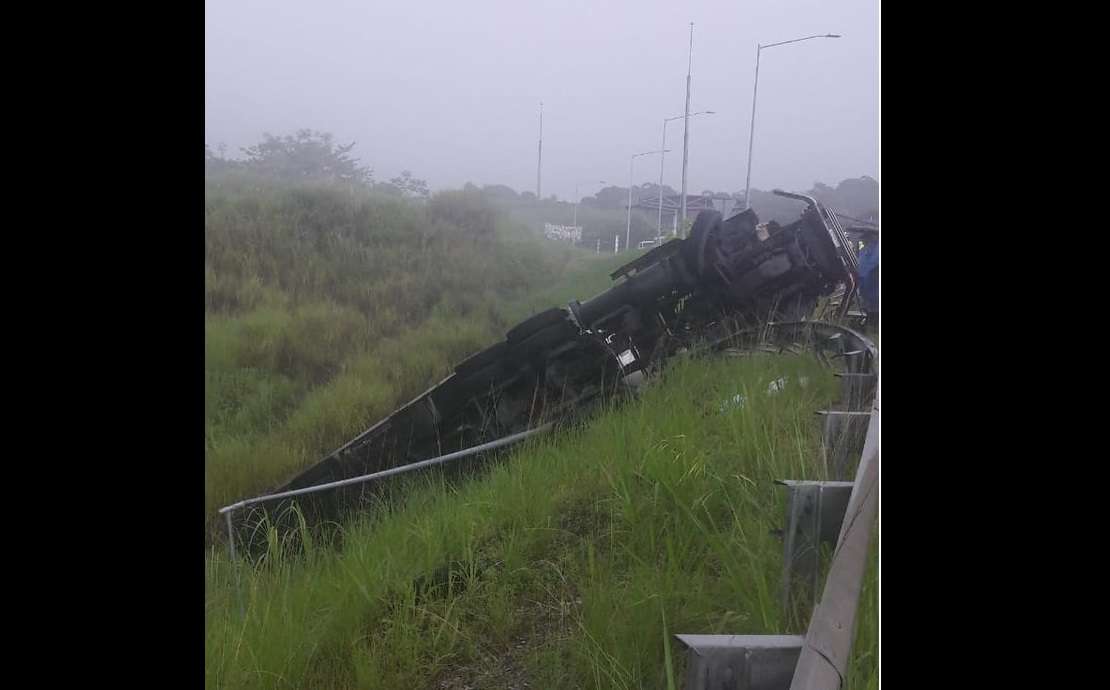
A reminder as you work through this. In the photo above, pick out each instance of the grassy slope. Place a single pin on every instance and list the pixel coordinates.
(563, 565)
(568, 564)
(326, 309)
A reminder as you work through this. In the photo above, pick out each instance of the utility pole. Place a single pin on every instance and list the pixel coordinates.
(628, 229)
(659, 220)
(539, 161)
(686, 128)
(755, 92)
(663, 145)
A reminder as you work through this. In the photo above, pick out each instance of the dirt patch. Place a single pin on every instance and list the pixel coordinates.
(540, 624)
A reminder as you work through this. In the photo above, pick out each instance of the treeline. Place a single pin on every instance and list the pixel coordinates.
(311, 156)
(604, 215)
(857, 197)
(307, 156)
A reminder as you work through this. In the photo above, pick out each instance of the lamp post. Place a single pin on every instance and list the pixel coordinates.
(686, 127)
(539, 159)
(628, 229)
(576, 199)
(755, 91)
(663, 145)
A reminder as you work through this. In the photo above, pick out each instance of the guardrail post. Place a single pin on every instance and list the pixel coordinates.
(740, 662)
(857, 390)
(856, 361)
(233, 562)
(843, 440)
(230, 535)
(814, 515)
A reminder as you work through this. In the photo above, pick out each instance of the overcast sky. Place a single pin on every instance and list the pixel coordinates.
(451, 90)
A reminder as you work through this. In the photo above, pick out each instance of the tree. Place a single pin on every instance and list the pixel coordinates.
(652, 189)
(406, 186)
(306, 155)
(217, 162)
(499, 192)
(856, 197)
(612, 198)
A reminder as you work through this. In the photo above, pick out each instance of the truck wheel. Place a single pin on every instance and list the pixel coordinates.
(707, 223)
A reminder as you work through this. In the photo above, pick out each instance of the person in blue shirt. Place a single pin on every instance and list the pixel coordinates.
(869, 279)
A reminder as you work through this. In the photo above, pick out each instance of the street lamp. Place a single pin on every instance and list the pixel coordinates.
(628, 229)
(576, 199)
(659, 230)
(755, 91)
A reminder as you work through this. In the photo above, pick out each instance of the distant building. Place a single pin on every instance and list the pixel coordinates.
(563, 233)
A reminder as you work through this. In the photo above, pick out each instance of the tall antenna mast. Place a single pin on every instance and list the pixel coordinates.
(686, 128)
(539, 161)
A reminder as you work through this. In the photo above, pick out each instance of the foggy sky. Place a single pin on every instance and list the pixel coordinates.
(451, 90)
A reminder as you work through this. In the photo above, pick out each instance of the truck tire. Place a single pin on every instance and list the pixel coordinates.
(706, 224)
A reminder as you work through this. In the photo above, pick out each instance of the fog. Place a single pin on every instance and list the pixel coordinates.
(451, 91)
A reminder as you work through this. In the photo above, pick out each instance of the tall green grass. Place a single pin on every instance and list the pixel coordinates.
(569, 563)
(326, 307)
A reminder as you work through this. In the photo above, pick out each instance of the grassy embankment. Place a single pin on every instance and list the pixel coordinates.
(326, 308)
(568, 564)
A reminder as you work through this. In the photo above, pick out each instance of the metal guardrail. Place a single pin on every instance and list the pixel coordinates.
(825, 655)
(820, 659)
(362, 479)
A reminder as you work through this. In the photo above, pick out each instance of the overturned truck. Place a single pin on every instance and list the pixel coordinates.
(557, 363)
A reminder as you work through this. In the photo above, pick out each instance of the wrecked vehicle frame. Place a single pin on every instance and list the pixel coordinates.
(556, 365)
